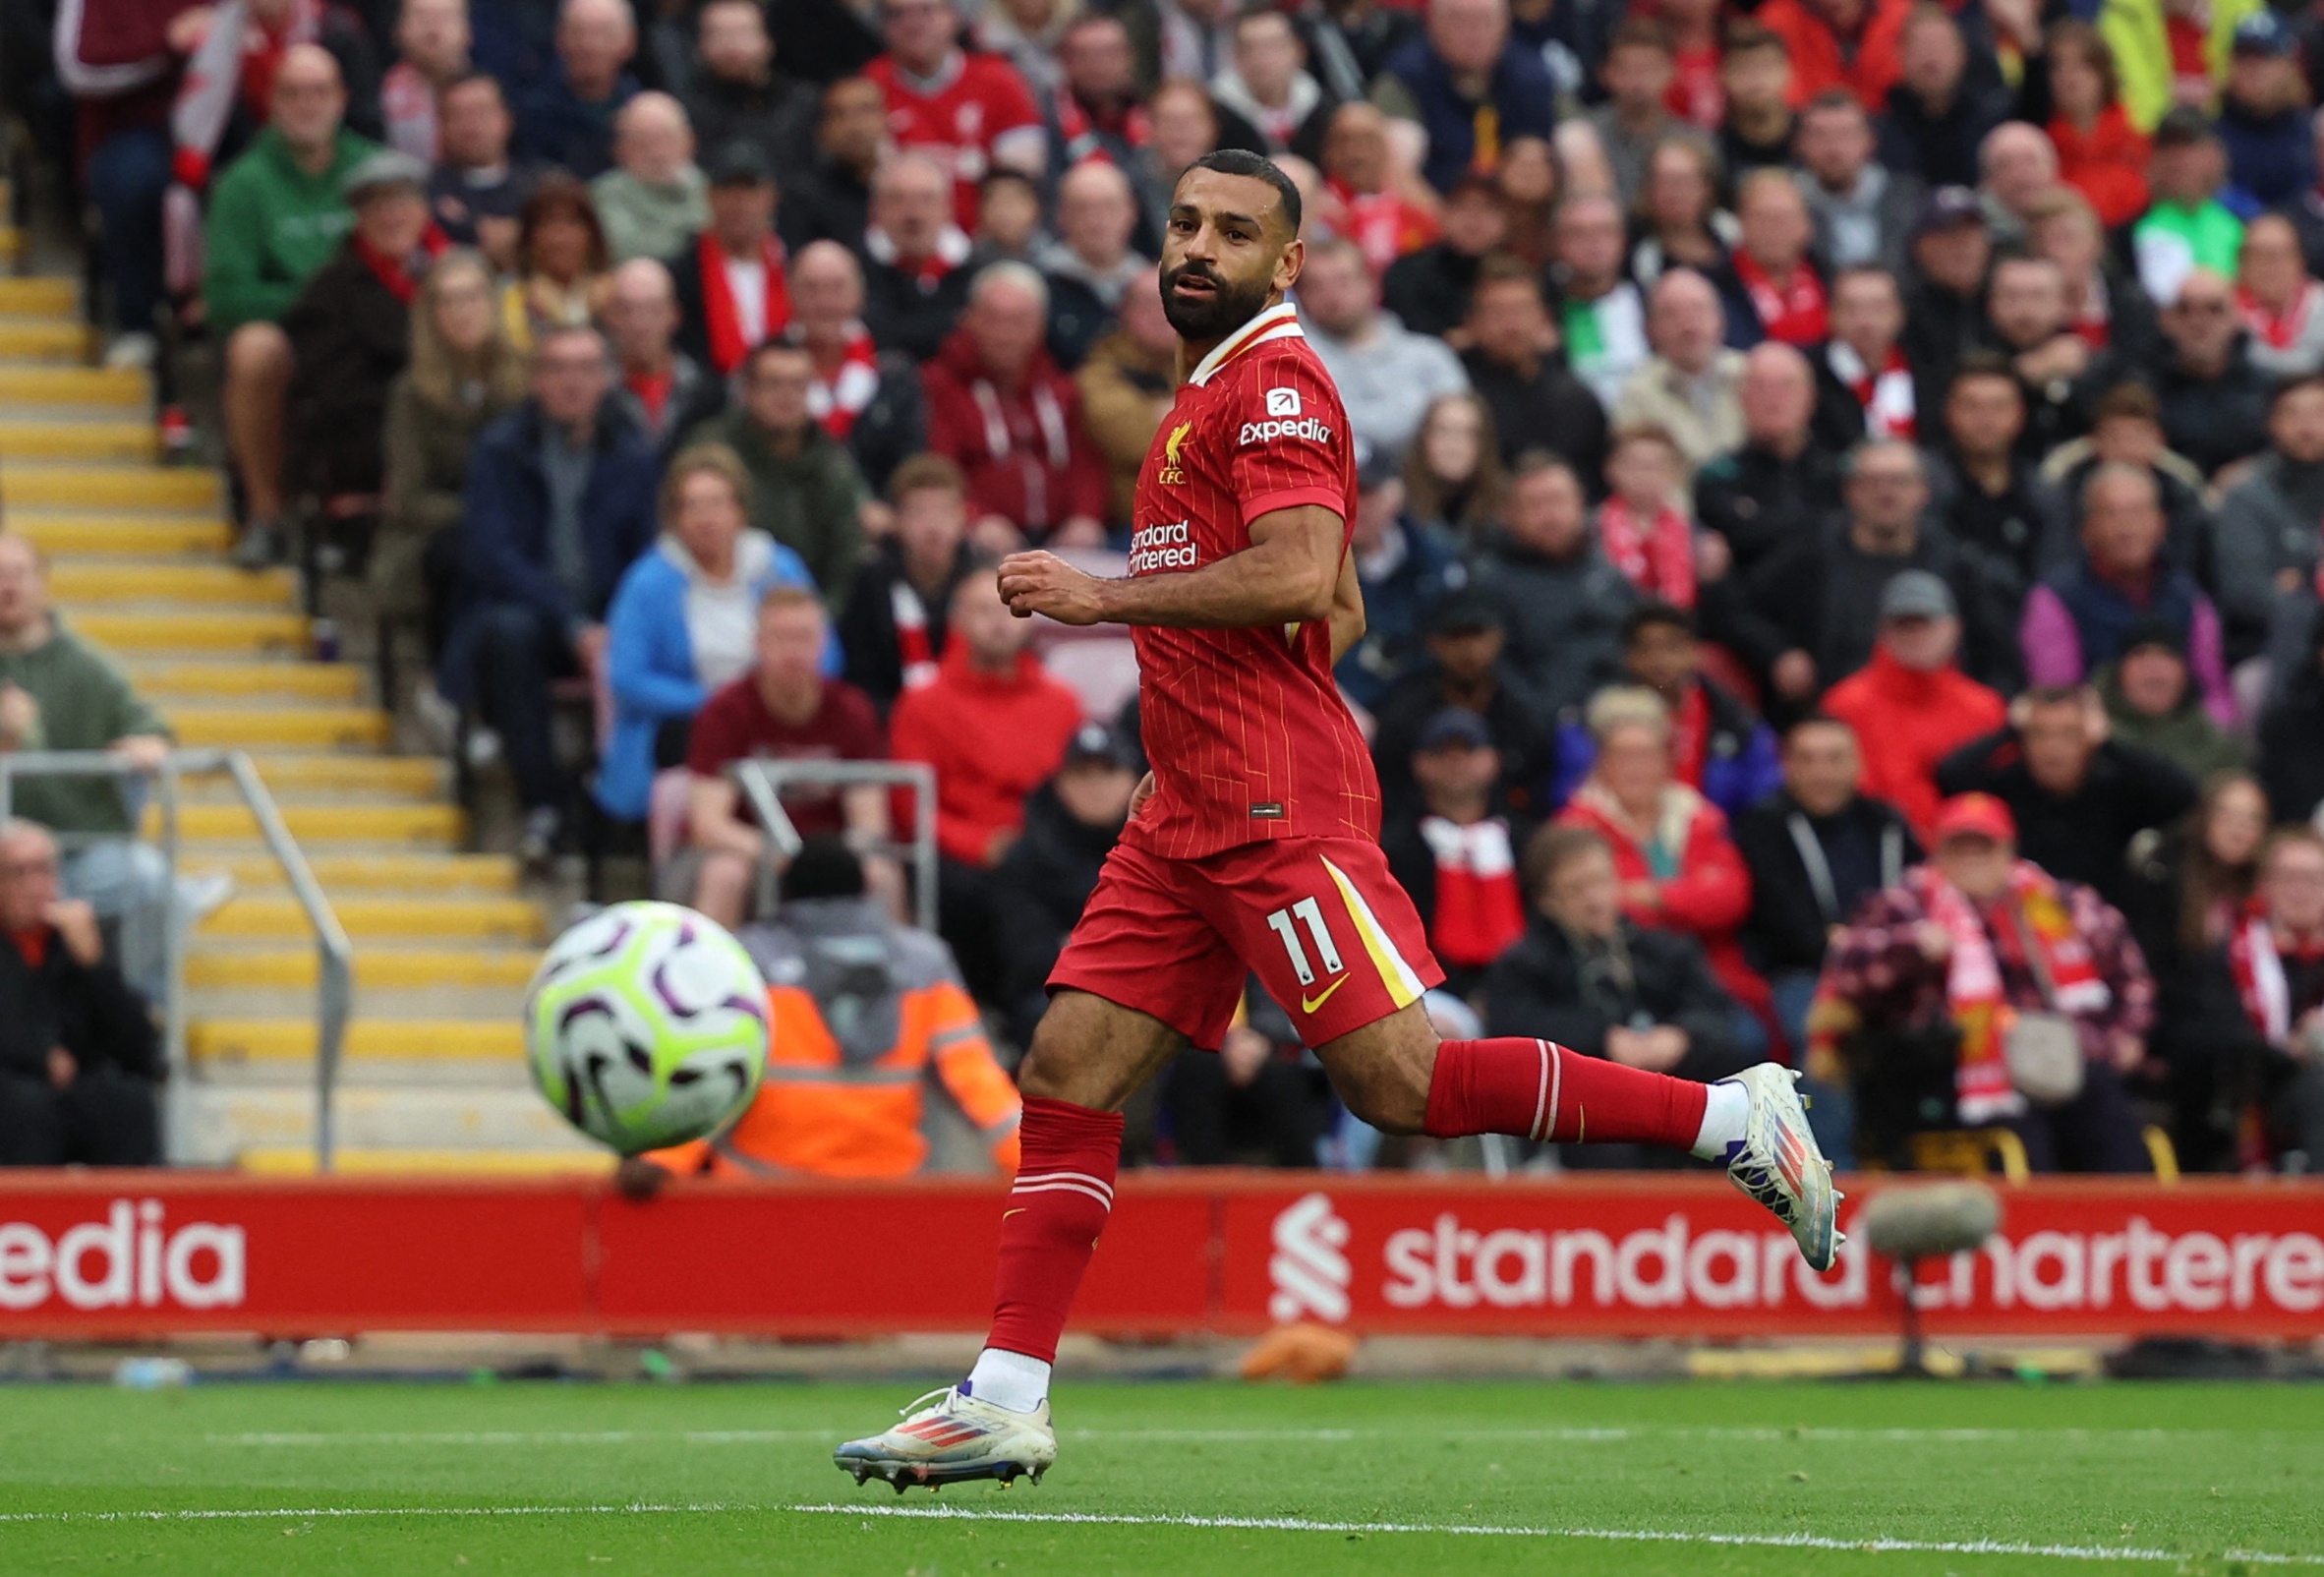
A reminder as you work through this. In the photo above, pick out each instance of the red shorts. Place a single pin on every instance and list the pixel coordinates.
(1319, 920)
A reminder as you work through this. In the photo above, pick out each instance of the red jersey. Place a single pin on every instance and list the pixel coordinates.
(1249, 737)
(971, 107)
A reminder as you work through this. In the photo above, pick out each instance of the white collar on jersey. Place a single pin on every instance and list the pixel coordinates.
(1279, 322)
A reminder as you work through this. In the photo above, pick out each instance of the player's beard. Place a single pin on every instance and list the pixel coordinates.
(1229, 308)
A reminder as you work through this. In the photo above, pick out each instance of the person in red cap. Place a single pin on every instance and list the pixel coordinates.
(1922, 993)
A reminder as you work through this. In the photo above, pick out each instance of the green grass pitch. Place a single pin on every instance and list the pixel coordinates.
(1211, 1479)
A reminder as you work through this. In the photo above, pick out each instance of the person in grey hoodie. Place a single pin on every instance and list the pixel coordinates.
(1562, 601)
(2265, 544)
(1388, 375)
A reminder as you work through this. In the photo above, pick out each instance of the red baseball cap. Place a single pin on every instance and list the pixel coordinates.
(1974, 816)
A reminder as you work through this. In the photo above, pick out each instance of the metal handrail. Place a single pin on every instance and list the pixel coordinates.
(334, 955)
(762, 782)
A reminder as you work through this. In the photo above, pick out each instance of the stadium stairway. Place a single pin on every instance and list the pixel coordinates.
(433, 1078)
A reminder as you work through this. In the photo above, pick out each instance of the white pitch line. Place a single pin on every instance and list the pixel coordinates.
(1577, 1434)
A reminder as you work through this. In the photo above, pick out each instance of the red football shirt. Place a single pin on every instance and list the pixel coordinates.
(734, 724)
(1245, 730)
(972, 105)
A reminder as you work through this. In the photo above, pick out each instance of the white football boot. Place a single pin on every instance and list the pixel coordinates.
(957, 1438)
(1777, 1163)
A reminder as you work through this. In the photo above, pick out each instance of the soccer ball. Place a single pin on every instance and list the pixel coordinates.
(646, 1026)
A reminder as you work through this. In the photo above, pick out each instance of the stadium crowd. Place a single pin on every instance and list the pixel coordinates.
(1840, 486)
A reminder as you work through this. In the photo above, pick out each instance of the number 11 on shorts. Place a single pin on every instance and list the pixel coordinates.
(1309, 915)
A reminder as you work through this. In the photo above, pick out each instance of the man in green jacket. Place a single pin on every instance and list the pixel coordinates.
(275, 217)
(58, 692)
(805, 490)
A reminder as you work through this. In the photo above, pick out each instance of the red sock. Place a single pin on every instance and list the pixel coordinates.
(1538, 1089)
(1064, 1192)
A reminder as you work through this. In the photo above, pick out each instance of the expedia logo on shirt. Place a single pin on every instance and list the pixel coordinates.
(1306, 427)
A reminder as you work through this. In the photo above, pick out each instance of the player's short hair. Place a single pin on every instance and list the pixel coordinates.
(1241, 161)
(1555, 846)
(926, 473)
(705, 459)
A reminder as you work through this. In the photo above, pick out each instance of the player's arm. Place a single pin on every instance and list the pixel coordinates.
(1289, 575)
(1347, 611)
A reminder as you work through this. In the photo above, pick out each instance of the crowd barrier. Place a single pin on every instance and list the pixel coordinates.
(99, 1254)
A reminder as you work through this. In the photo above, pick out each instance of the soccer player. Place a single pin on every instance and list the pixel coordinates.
(1253, 845)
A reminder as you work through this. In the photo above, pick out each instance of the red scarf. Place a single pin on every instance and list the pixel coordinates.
(653, 392)
(1658, 558)
(837, 401)
(1793, 312)
(2278, 332)
(721, 317)
(33, 944)
(1479, 909)
(1384, 226)
(1886, 395)
(397, 273)
(1690, 736)
(915, 651)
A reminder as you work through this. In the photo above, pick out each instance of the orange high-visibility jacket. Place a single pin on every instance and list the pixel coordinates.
(863, 1012)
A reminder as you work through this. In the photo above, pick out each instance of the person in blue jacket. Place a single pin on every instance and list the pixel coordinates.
(1722, 747)
(1471, 86)
(681, 622)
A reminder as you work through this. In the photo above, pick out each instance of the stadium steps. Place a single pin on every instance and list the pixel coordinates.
(445, 940)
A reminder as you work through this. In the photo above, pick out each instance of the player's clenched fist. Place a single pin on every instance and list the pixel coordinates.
(1043, 583)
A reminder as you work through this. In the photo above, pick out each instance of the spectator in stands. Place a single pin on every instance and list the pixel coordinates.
(564, 268)
(1865, 386)
(1852, 45)
(2059, 376)
(1988, 493)
(1512, 365)
(783, 709)
(1000, 409)
(2154, 703)
(2189, 891)
(1269, 86)
(1964, 939)
(1635, 77)
(2263, 116)
(829, 199)
(276, 215)
(1679, 869)
(1464, 72)
(1941, 110)
(898, 608)
(1944, 310)
(805, 492)
(2130, 431)
(2079, 796)
(970, 112)
(866, 398)
(1643, 526)
(2187, 226)
(1677, 218)
(1427, 289)
(1779, 485)
(1589, 975)
(2275, 958)
(1466, 669)
(1782, 287)
(1910, 707)
(1404, 566)
(733, 287)
(1100, 108)
(1127, 384)
(1071, 824)
(2215, 399)
(2079, 617)
(462, 377)
(1090, 267)
(1864, 212)
(1600, 315)
(1453, 477)
(832, 1020)
(79, 1053)
(477, 189)
(1387, 373)
(560, 502)
(431, 38)
(995, 725)
(1816, 848)
(2281, 307)
(1563, 601)
(2101, 152)
(568, 118)
(2292, 735)
(1814, 604)
(2267, 537)
(58, 692)
(681, 623)
(1691, 386)
(914, 287)
(2104, 303)
(1716, 745)
(739, 96)
(1453, 850)
(664, 393)
(1008, 218)
(652, 201)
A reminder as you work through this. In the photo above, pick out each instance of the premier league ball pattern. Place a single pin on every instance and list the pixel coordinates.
(646, 1026)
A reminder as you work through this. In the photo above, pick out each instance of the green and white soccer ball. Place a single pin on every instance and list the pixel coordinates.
(646, 1026)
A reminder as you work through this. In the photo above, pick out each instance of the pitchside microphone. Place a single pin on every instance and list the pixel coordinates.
(1922, 1221)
